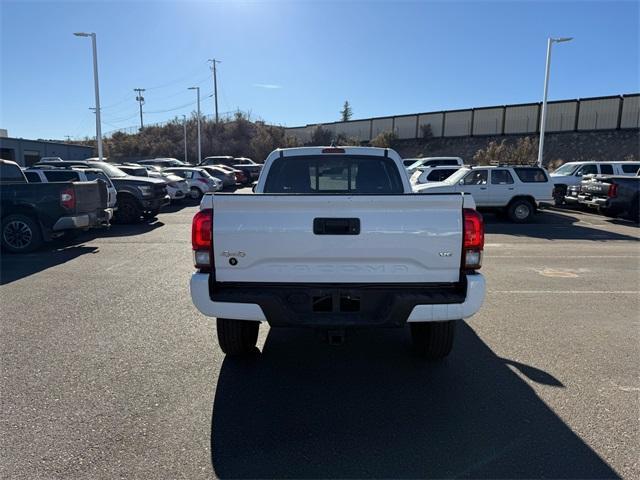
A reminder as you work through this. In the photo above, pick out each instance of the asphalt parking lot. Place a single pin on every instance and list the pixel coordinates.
(108, 371)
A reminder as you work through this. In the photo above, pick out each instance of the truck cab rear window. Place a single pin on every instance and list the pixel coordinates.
(343, 174)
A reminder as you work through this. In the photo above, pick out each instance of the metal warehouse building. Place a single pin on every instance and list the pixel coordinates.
(27, 152)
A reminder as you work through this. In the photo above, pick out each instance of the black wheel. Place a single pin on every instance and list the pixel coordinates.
(520, 211)
(433, 340)
(128, 211)
(558, 195)
(196, 193)
(608, 212)
(20, 234)
(237, 337)
(634, 211)
(149, 214)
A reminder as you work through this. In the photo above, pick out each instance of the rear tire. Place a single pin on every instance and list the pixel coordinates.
(20, 234)
(559, 193)
(520, 211)
(433, 340)
(128, 211)
(149, 214)
(237, 337)
(196, 193)
(634, 211)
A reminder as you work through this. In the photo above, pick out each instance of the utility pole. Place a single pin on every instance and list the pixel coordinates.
(140, 100)
(184, 127)
(215, 84)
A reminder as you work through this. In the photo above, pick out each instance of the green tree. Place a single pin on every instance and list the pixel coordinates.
(346, 113)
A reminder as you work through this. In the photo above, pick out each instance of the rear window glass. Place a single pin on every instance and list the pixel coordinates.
(10, 173)
(97, 175)
(32, 177)
(606, 169)
(440, 174)
(436, 163)
(630, 167)
(62, 176)
(340, 174)
(501, 177)
(531, 175)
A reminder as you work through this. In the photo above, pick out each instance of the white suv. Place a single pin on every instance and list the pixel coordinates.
(412, 164)
(518, 191)
(571, 173)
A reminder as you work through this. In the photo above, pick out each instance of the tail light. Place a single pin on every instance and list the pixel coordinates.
(203, 180)
(202, 239)
(68, 199)
(473, 244)
(333, 150)
(613, 190)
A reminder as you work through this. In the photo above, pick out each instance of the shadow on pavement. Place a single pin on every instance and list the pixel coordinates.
(15, 267)
(550, 225)
(303, 409)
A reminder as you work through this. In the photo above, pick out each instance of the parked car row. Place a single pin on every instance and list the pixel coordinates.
(610, 195)
(571, 175)
(519, 191)
(55, 197)
(33, 213)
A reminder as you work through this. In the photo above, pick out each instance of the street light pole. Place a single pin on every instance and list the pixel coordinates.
(184, 127)
(197, 89)
(97, 89)
(543, 114)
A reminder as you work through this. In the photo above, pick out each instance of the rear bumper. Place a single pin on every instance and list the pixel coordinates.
(592, 201)
(155, 203)
(379, 306)
(86, 220)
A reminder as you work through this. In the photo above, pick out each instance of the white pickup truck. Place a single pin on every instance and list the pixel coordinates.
(334, 238)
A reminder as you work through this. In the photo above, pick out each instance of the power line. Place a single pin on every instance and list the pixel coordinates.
(168, 84)
(178, 107)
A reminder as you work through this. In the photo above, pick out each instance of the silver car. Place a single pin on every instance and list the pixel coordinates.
(198, 180)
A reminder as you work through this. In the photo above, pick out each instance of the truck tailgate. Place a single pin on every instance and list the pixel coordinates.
(400, 238)
(90, 196)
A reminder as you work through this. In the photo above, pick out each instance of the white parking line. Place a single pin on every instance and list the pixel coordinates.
(563, 292)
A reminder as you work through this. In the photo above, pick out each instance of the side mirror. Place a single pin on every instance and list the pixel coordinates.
(461, 182)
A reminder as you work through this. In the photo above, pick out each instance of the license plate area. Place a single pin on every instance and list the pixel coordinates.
(335, 302)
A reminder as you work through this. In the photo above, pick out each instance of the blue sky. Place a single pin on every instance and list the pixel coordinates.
(294, 63)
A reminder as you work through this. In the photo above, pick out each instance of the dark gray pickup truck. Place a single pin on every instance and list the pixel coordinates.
(32, 213)
(612, 195)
